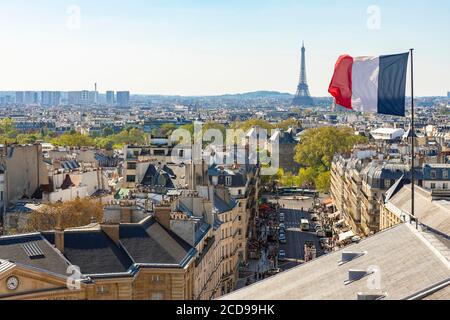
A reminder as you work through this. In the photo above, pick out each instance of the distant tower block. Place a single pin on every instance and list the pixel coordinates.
(303, 97)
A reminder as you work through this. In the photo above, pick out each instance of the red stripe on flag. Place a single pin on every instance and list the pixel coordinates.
(341, 84)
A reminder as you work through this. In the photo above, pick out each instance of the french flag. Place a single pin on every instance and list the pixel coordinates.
(371, 84)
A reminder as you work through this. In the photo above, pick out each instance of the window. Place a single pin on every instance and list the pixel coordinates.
(445, 174)
(131, 166)
(387, 184)
(445, 186)
(433, 186)
(229, 181)
(433, 174)
(240, 192)
(131, 178)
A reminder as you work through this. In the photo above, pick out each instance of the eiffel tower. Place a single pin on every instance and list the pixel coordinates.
(303, 97)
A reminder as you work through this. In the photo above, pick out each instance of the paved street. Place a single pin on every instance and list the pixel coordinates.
(296, 239)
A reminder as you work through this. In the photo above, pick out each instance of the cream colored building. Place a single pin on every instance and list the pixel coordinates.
(357, 189)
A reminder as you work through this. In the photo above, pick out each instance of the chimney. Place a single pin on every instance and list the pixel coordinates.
(162, 215)
(112, 230)
(126, 214)
(59, 239)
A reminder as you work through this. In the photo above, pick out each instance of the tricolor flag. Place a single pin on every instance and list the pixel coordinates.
(371, 84)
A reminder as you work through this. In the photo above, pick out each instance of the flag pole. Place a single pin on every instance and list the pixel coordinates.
(412, 137)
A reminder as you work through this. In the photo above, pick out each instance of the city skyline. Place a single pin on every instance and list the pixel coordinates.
(202, 49)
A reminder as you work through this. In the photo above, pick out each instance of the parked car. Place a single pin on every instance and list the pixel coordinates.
(282, 226)
(304, 225)
(356, 239)
(282, 238)
(282, 217)
(318, 227)
(282, 255)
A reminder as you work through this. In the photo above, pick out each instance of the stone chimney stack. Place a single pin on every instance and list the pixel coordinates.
(112, 230)
(162, 215)
(126, 214)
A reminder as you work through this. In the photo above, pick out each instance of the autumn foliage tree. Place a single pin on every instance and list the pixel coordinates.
(72, 214)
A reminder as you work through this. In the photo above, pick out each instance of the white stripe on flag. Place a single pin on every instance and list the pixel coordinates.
(365, 74)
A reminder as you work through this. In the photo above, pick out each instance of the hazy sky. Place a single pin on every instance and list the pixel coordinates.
(202, 47)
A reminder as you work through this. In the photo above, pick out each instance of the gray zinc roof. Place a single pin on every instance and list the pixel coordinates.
(407, 264)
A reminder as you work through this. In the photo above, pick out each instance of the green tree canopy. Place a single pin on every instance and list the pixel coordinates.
(167, 129)
(73, 140)
(247, 125)
(286, 124)
(319, 145)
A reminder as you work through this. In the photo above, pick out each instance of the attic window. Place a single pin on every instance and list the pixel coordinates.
(356, 275)
(33, 251)
(228, 181)
(350, 256)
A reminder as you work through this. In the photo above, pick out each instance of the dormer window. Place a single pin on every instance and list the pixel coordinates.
(445, 174)
(228, 181)
(433, 174)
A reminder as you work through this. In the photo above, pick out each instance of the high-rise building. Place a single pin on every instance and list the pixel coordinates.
(50, 98)
(82, 98)
(110, 98)
(123, 98)
(19, 97)
(31, 97)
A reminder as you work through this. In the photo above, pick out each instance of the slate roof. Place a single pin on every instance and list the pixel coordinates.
(220, 206)
(155, 175)
(11, 249)
(94, 252)
(408, 264)
(434, 214)
(150, 243)
(145, 244)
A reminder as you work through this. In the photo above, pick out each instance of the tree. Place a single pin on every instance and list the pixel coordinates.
(316, 151)
(307, 177)
(72, 214)
(286, 124)
(108, 131)
(73, 140)
(323, 182)
(167, 128)
(319, 145)
(247, 125)
(7, 130)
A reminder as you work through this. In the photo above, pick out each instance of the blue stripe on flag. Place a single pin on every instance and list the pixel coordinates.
(392, 84)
